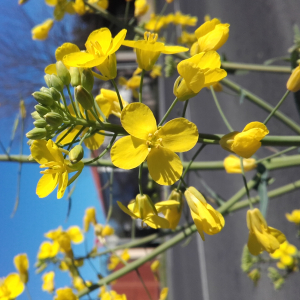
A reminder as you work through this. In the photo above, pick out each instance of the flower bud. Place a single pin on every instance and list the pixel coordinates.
(47, 78)
(42, 110)
(35, 115)
(40, 123)
(45, 90)
(87, 79)
(36, 133)
(54, 119)
(293, 83)
(63, 73)
(43, 98)
(109, 67)
(84, 97)
(55, 94)
(75, 76)
(76, 154)
(57, 83)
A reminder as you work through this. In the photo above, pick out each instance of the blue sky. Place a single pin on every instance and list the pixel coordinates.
(24, 232)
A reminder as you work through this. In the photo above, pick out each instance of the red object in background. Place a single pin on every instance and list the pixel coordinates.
(131, 286)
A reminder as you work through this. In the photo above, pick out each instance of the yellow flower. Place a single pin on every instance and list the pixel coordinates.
(163, 294)
(157, 145)
(102, 3)
(285, 253)
(261, 236)
(109, 102)
(232, 164)
(156, 71)
(205, 217)
(155, 266)
(65, 294)
(60, 52)
(22, 264)
(48, 155)
(156, 23)
(79, 284)
(247, 142)
(113, 295)
(148, 50)
(11, 287)
(53, 234)
(211, 35)
(132, 83)
(187, 38)
(201, 70)
(75, 234)
(140, 7)
(41, 31)
(184, 20)
(293, 83)
(89, 217)
(115, 260)
(294, 216)
(171, 208)
(143, 208)
(99, 45)
(79, 7)
(48, 250)
(103, 231)
(48, 282)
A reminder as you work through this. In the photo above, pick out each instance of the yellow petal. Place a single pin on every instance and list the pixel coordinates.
(245, 144)
(206, 27)
(179, 135)
(117, 41)
(46, 185)
(198, 224)
(21, 262)
(14, 284)
(126, 210)
(65, 49)
(156, 222)
(128, 152)
(75, 234)
(51, 69)
(213, 76)
(94, 142)
(62, 184)
(254, 246)
(261, 132)
(40, 152)
(174, 49)
(164, 166)
(82, 59)
(101, 36)
(70, 137)
(54, 151)
(138, 120)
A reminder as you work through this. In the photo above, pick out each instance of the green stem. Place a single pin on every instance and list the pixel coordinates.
(118, 94)
(276, 154)
(85, 135)
(160, 14)
(27, 292)
(143, 283)
(140, 179)
(168, 112)
(126, 11)
(71, 99)
(97, 108)
(96, 116)
(189, 165)
(65, 104)
(220, 110)
(141, 86)
(260, 102)
(245, 181)
(276, 107)
(103, 153)
(111, 181)
(185, 107)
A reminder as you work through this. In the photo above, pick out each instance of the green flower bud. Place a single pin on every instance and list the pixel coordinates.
(57, 83)
(35, 115)
(42, 110)
(43, 98)
(29, 143)
(84, 97)
(47, 78)
(36, 133)
(45, 90)
(75, 76)
(55, 94)
(87, 79)
(40, 123)
(54, 119)
(63, 72)
(76, 154)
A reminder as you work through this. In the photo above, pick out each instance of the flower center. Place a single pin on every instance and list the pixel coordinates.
(153, 141)
(150, 37)
(95, 49)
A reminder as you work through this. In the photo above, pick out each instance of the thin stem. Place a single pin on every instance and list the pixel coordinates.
(183, 182)
(141, 86)
(143, 283)
(140, 178)
(126, 11)
(189, 165)
(71, 99)
(65, 104)
(96, 116)
(118, 94)
(276, 107)
(4, 150)
(111, 181)
(220, 109)
(276, 154)
(104, 152)
(168, 112)
(185, 107)
(27, 292)
(97, 108)
(245, 182)
(160, 14)
(85, 135)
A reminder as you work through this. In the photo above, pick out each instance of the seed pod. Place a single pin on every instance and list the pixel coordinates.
(35, 115)
(42, 110)
(47, 78)
(76, 154)
(75, 76)
(57, 83)
(54, 119)
(55, 94)
(40, 123)
(84, 97)
(36, 133)
(87, 79)
(63, 73)
(43, 98)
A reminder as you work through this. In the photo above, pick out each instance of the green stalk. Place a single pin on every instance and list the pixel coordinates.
(140, 179)
(65, 104)
(185, 107)
(245, 182)
(126, 11)
(71, 99)
(220, 110)
(118, 94)
(276, 154)
(141, 86)
(110, 209)
(168, 112)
